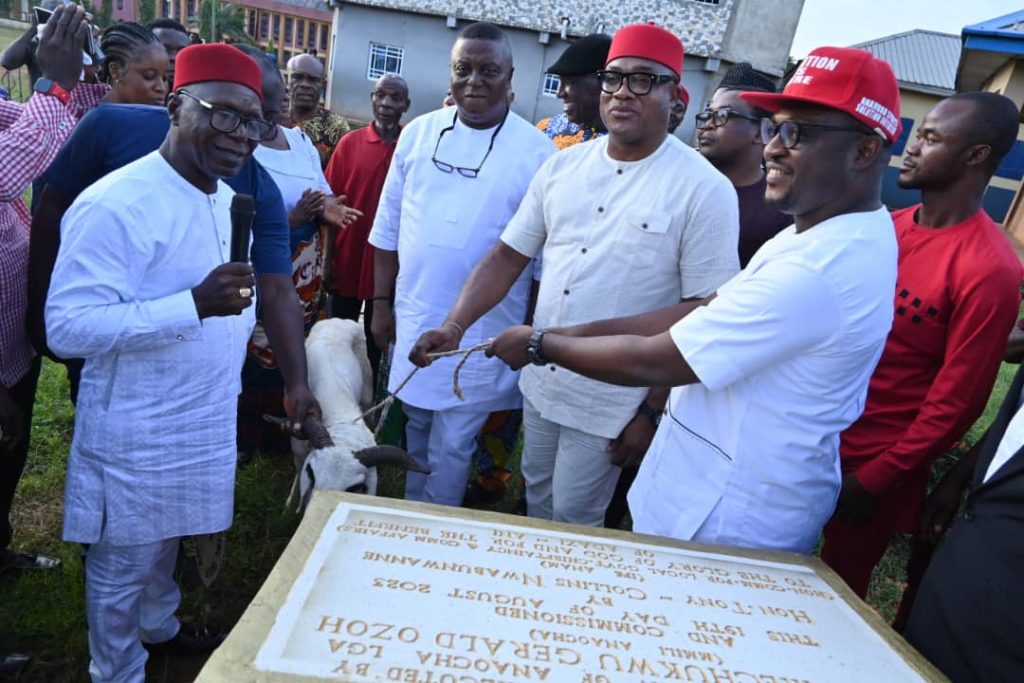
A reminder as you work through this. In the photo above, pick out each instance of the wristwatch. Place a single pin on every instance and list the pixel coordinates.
(650, 413)
(48, 87)
(533, 347)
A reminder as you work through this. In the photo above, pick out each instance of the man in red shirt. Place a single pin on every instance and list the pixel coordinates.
(957, 297)
(356, 171)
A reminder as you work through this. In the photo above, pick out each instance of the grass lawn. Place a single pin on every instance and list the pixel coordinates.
(43, 614)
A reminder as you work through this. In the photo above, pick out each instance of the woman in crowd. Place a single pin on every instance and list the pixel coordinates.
(134, 64)
(294, 163)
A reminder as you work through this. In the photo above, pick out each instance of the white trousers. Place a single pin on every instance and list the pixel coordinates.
(130, 597)
(569, 474)
(443, 441)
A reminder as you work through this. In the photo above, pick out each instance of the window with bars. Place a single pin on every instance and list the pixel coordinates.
(384, 59)
(323, 37)
(300, 33)
(289, 26)
(276, 24)
(551, 83)
(264, 25)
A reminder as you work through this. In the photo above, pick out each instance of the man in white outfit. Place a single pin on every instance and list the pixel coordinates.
(142, 290)
(771, 368)
(627, 223)
(456, 178)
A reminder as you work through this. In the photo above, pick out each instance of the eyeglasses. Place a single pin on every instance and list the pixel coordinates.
(790, 131)
(227, 121)
(463, 171)
(719, 117)
(639, 83)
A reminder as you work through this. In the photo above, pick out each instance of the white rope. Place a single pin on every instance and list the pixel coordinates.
(384, 406)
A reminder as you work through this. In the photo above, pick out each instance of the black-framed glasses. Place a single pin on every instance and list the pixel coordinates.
(225, 120)
(719, 117)
(462, 170)
(790, 131)
(639, 83)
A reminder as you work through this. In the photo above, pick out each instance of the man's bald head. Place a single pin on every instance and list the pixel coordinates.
(306, 63)
(392, 81)
(305, 85)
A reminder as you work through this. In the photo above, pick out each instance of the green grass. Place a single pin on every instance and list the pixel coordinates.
(7, 36)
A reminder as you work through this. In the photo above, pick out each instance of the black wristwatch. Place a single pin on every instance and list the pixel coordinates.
(533, 347)
(650, 413)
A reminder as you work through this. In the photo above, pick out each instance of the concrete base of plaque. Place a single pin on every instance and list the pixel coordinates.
(373, 589)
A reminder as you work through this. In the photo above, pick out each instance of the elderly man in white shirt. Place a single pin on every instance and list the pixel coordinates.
(142, 290)
(627, 224)
(775, 365)
(457, 176)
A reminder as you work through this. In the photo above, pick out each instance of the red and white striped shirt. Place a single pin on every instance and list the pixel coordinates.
(30, 137)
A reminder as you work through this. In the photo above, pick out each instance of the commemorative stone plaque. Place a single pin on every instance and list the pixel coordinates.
(381, 590)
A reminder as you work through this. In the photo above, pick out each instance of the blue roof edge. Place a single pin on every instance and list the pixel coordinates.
(992, 27)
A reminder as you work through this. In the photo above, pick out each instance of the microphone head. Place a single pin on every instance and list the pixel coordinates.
(242, 203)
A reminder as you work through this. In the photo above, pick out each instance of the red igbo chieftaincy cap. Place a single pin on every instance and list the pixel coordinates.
(217, 62)
(852, 81)
(648, 41)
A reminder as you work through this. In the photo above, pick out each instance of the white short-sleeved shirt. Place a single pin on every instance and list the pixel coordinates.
(750, 456)
(442, 225)
(618, 239)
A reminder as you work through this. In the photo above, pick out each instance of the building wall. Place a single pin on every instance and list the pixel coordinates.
(1005, 189)
(762, 33)
(426, 41)
(1002, 188)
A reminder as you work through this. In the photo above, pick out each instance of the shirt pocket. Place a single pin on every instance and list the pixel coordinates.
(449, 230)
(643, 236)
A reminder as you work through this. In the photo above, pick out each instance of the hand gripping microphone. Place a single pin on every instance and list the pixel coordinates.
(241, 226)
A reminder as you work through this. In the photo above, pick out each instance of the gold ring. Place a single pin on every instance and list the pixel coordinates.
(244, 292)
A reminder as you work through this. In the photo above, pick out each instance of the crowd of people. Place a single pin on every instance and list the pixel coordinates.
(734, 341)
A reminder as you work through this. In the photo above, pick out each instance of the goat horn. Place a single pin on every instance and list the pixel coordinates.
(388, 455)
(317, 434)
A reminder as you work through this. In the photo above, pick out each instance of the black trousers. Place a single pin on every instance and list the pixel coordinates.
(13, 462)
(348, 308)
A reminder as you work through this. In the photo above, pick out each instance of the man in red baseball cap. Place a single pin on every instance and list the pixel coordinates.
(769, 370)
(142, 290)
(627, 223)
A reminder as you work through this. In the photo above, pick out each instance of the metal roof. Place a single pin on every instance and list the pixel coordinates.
(924, 61)
(987, 46)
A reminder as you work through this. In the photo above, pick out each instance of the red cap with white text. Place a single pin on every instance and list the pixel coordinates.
(852, 81)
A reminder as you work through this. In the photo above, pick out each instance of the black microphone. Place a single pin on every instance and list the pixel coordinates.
(242, 209)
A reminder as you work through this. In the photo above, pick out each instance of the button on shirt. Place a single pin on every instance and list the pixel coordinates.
(153, 454)
(618, 239)
(750, 456)
(442, 225)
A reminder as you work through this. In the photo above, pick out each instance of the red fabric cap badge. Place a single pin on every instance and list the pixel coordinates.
(852, 81)
(216, 62)
(648, 41)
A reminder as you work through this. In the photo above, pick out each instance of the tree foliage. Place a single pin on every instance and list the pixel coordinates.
(147, 11)
(230, 22)
(106, 15)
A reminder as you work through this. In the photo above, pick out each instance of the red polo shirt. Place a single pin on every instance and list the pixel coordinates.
(357, 170)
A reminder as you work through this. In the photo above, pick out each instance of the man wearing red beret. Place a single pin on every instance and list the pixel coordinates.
(627, 223)
(769, 370)
(142, 290)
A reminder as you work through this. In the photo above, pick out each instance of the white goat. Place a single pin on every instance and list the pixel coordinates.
(341, 453)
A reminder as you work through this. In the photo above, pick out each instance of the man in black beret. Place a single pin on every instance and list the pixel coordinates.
(579, 91)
